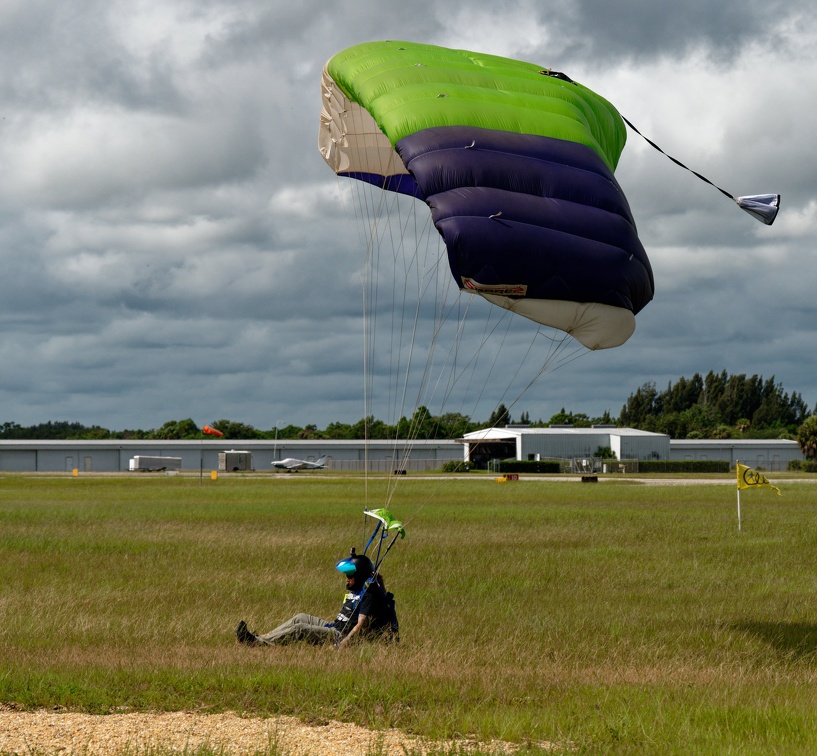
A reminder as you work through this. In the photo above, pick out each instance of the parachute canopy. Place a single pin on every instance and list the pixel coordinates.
(387, 521)
(516, 164)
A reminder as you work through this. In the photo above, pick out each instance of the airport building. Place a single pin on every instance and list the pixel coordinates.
(560, 442)
(771, 454)
(116, 455)
(480, 447)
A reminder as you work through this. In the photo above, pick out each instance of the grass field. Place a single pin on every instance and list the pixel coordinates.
(616, 617)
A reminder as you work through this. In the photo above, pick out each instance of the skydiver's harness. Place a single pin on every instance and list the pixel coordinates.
(385, 523)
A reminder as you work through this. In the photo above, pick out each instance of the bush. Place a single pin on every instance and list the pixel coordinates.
(457, 466)
(525, 466)
(802, 465)
(684, 466)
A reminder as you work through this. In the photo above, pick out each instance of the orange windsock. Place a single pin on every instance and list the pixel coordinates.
(212, 431)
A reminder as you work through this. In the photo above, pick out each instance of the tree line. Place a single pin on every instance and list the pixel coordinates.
(717, 405)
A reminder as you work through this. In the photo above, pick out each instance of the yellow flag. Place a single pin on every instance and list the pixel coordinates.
(749, 478)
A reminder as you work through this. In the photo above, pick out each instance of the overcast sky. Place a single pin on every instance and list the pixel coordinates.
(174, 246)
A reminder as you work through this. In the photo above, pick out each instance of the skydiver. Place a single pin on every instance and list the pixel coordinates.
(367, 612)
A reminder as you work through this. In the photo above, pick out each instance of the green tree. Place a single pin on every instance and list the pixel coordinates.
(95, 432)
(640, 407)
(338, 431)
(715, 405)
(11, 430)
(370, 427)
(499, 418)
(177, 429)
(454, 425)
(578, 419)
(683, 395)
(309, 431)
(232, 429)
(605, 419)
(288, 431)
(807, 437)
(422, 425)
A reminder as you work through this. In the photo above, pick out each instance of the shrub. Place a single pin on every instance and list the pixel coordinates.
(529, 466)
(605, 452)
(684, 466)
(802, 465)
(457, 466)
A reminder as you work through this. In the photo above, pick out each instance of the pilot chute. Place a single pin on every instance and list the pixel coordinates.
(516, 164)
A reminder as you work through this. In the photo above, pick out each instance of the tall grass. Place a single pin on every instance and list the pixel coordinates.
(615, 616)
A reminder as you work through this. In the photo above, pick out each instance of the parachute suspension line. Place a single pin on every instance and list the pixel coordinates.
(396, 251)
(455, 373)
(372, 210)
(390, 225)
(554, 360)
(455, 354)
(762, 207)
(410, 263)
(428, 254)
(458, 371)
(428, 388)
(365, 281)
(426, 276)
(506, 317)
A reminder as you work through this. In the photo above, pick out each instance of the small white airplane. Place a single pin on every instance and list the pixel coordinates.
(293, 465)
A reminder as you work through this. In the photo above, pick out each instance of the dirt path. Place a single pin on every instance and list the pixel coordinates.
(56, 732)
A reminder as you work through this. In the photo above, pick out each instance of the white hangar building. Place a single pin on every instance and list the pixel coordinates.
(115, 455)
(769, 454)
(563, 443)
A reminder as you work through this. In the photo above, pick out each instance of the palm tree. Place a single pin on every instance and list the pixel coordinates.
(807, 437)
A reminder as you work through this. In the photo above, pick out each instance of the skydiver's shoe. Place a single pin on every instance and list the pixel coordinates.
(244, 635)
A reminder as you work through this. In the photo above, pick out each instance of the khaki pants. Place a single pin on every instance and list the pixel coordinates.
(302, 627)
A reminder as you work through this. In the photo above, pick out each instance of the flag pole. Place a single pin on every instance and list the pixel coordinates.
(738, 509)
(738, 490)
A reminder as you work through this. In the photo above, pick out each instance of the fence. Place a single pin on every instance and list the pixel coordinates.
(387, 465)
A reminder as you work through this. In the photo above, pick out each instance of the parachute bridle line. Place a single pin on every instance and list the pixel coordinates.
(678, 162)
(761, 207)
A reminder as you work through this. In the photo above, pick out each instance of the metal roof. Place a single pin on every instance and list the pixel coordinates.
(498, 434)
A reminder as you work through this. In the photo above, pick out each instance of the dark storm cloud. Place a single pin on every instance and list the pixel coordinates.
(636, 30)
(173, 245)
